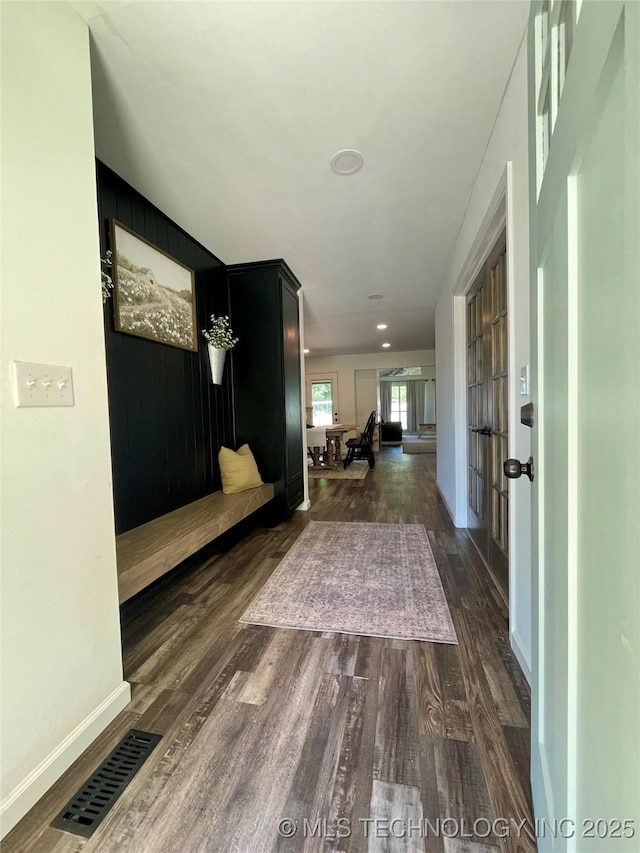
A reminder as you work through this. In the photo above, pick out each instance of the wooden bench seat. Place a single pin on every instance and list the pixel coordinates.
(149, 551)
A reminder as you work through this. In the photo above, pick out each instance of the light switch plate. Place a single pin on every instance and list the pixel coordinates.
(42, 384)
(524, 380)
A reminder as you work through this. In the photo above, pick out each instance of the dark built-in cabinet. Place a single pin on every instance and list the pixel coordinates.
(264, 314)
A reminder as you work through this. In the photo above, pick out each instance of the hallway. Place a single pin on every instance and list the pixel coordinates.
(263, 724)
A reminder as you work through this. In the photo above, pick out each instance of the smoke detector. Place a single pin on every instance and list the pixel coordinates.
(346, 162)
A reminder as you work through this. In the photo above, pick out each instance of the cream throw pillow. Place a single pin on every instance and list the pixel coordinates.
(238, 469)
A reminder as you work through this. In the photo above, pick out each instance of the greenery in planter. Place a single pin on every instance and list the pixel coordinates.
(107, 283)
(220, 334)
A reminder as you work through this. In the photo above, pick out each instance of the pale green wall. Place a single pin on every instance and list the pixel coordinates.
(61, 659)
(585, 256)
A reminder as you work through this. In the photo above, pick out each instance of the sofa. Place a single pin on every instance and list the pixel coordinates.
(390, 432)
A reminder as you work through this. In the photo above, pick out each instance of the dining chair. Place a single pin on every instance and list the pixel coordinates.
(362, 448)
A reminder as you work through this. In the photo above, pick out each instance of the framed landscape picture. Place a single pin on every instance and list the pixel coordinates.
(154, 295)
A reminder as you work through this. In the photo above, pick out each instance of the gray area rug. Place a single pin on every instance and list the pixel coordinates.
(359, 472)
(358, 578)
(420, 445)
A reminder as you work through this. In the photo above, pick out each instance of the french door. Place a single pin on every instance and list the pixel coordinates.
(399, 403)
(487, 414)
(584, 84)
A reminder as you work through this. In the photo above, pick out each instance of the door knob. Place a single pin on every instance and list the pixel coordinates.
(481, 430)
(514, 468)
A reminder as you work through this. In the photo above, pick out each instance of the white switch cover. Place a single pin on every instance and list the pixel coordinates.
(524, 380)
(42, 384)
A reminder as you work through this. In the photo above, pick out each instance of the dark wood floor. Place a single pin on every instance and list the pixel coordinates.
(263, 724)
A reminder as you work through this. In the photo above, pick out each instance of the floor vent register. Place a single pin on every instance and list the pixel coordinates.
(84, 813)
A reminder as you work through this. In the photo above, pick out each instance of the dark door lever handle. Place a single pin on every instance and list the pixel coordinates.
(481, 430)
(514, 468)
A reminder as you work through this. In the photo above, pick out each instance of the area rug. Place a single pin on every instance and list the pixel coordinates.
(420, 445)
(351, 473)
(357, 578)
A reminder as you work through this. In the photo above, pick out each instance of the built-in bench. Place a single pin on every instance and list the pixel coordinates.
(149, 551)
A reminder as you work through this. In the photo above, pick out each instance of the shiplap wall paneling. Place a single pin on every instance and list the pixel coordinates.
(167, 419)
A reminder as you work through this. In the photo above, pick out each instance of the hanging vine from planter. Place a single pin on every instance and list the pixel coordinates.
(107, 281)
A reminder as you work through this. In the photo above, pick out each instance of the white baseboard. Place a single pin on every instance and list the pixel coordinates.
(16, 804)
(521, 653)
(444, 501)
(304, 506)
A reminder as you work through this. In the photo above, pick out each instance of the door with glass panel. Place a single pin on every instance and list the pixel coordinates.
(322, 399)
(487, 430)
(399, 403)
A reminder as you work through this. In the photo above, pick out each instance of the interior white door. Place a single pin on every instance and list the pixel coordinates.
(585, 198)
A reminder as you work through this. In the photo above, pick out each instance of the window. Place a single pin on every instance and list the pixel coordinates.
(399, 372)
(321, 403)
(554, 30)
(399, 402)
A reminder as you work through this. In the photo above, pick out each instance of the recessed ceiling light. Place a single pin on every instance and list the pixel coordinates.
(386, 345)
(346, 162)
(375, 296)
(305, 351)
(381, 326)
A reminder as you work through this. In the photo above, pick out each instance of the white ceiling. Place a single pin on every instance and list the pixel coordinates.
(226, 114)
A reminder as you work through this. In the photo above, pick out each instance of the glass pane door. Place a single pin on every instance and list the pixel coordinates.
(399, 403)
(487, 415)
(322, 403)
(476, 412)
(499, 543)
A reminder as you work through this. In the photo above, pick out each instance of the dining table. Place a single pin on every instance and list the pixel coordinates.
(325, 444)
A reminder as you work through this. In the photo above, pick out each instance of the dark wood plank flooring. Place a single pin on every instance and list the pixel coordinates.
(346, 733)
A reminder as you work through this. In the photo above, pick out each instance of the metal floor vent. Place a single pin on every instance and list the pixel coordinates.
(84, 813)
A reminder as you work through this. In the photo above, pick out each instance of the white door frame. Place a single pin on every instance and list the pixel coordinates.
(325, 376)
(306, 503)
(499, 215)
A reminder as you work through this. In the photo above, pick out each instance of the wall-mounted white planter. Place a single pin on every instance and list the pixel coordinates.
(216, 360)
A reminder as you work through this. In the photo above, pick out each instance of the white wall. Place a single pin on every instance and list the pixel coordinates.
(346, 365)
(505, 166)
(61, 658)
(366, 394)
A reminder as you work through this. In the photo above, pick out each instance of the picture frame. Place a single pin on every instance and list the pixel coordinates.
(153, 293)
